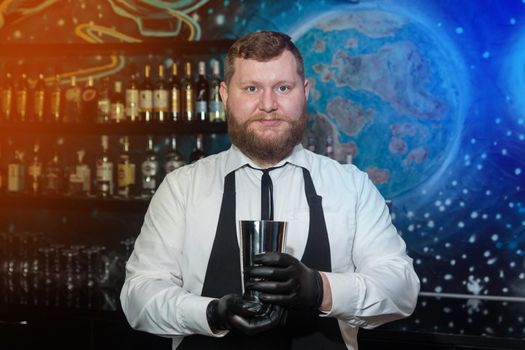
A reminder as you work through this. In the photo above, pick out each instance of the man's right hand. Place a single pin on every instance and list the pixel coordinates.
(234, 313)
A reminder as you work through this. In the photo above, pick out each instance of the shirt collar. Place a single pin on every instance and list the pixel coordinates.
(236, 159)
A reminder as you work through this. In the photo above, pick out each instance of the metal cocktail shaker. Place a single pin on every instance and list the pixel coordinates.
(259, 236)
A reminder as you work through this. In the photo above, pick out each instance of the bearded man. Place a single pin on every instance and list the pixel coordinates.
(344, 265)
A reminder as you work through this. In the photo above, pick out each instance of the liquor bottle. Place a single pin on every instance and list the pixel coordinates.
(150, 170)
(55, 101)
(117, 103)
(80, 177)
(21, 98)
(89, 101)
(72, 102)
(198, 151)
(174, 95)
(132, 99)
(6, 99)
(53, 180)
(104, 102)
(173, 158)
(104, 169)
(146, 97)
(202, 94)
(39, 98)
(160, 97)
(188, 95)
(215, 105)
(16, 172)
(34, 171)
(126, 171)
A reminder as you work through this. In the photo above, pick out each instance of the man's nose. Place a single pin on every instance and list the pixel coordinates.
(268, 101)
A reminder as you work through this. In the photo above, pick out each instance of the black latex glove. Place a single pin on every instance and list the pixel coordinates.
(284, 280)
(234, 313)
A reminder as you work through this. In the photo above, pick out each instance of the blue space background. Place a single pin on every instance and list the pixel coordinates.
(463, 219)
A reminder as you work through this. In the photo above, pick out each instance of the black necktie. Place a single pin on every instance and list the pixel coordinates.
(266, 195)
(267, 192)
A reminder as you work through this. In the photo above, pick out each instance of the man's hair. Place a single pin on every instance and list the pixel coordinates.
(261, 46)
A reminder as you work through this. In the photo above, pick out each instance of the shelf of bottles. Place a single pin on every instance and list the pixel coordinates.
(118, 177)
(119, 116)
(156, 103)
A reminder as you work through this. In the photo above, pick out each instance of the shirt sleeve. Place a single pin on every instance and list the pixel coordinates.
(152, 297)
(383, 285)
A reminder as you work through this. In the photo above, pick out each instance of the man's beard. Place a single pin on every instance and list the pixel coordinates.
(267, 150)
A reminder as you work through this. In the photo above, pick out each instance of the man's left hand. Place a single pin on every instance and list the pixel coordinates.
(284, 280)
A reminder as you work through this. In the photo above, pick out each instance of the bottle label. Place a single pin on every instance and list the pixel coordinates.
(175, 101)
(21, 103)
(188, 104)
(80, 180)
(38, 104)
(53, 179)
(132, 104)
(34, 170)
(150, 168)
(201, 107)
(160, 101)
(126, 174)
(104, 171)
(173, 164)
(117, 112)
(15, 178)
(7, 101)
(146, 101)
(104, 107)
(54, 104)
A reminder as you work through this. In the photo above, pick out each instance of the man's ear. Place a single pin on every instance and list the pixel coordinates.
(223, 91)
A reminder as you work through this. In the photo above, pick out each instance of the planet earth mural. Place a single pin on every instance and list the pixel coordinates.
(382, 88)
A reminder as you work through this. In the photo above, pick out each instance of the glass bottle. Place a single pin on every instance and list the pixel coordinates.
(132, 99)
(103, 102)
(160, 97)
(126, 171)
(173, 158)
(34, 171)
(89, 101)
(55, 101)
(117, 103)
(6, 99)
(80, 177)
(198, 151)
(146, 96)
(188, 95)
(174, 94)
(39, 98)
(215, 105)
(201, 94)
(21, 98)
(150, 170)
(72, 102)
(16, 172)
(54, 171)
(104, 170)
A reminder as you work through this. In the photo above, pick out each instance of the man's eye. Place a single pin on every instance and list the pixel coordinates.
(283, 88)
(251, 89)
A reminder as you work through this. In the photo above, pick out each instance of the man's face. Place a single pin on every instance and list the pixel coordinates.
(265, 102)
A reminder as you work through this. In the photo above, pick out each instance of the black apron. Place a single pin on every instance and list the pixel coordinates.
(304, 329)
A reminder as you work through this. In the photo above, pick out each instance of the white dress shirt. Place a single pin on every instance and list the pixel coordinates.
(372, 279)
